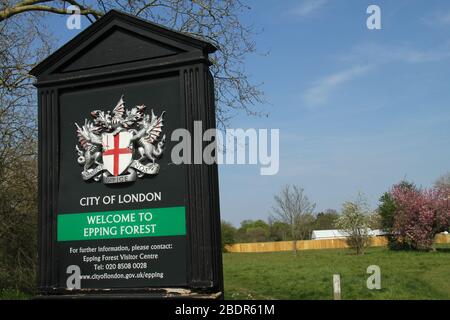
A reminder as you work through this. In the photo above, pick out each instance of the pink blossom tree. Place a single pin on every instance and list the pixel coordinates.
(420, 215)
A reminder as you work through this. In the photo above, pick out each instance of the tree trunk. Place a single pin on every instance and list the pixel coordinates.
(294, 238)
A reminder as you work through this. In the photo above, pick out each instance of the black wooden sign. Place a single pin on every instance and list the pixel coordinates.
(117, 215)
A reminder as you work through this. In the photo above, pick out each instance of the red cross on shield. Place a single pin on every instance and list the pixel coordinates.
(117, 155)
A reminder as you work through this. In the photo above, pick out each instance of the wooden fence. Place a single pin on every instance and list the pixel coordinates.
(442, 238)
(311, 244)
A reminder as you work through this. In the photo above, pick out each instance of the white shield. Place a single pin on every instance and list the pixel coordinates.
(117, 154)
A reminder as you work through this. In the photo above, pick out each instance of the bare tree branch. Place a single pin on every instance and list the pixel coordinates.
(217, 21)
(294, 208)
(28, 6)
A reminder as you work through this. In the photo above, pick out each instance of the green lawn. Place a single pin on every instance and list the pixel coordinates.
(281, 275)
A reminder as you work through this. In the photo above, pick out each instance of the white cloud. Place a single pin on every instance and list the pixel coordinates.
(368, 56)
(319, 93)
(381, 54)
(306, 7)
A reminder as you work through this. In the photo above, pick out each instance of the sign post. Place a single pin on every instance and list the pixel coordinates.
(116, 215)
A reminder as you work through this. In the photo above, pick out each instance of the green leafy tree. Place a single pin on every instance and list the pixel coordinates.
(326, 220)
(258, 234)
(386, 210)
(228, 234)
(279, 231)
(253, 231)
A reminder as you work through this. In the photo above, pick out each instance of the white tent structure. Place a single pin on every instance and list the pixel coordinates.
(336, 234)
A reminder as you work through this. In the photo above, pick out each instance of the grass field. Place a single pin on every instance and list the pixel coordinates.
(281, 275)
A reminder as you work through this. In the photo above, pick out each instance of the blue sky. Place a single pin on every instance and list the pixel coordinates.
(358, 110)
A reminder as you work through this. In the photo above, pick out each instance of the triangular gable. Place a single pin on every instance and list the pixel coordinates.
(117, 39)
(110, 50)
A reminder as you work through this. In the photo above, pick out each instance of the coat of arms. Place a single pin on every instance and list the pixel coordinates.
(121, 145)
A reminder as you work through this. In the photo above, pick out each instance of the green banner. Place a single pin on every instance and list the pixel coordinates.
(155, 222)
